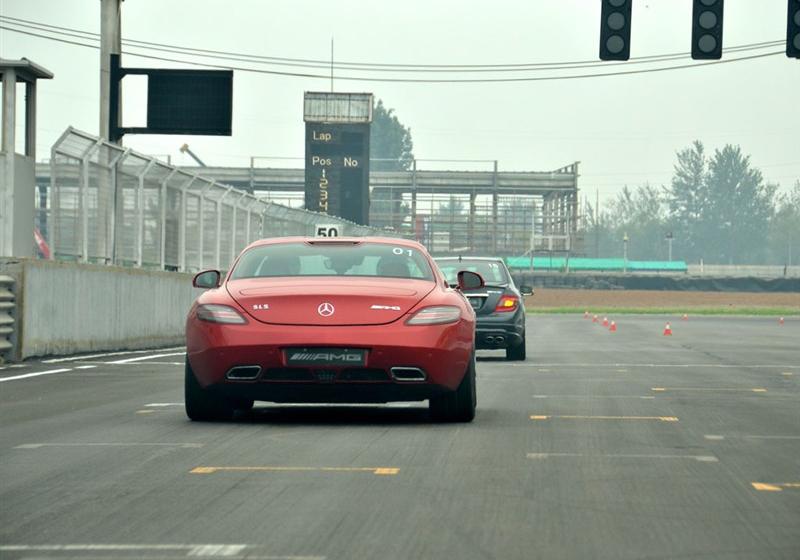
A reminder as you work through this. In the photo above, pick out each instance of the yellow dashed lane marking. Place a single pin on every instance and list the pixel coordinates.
(384, 471)
(579, 417)
(663, 389)
(774, 487)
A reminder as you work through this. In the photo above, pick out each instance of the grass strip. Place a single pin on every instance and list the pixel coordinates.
(750, 311)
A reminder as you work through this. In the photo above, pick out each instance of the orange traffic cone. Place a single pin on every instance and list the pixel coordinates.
(667, 330)
(685, 317)
(613, 327)
(780, 321)
(594, 319)
(605, 321)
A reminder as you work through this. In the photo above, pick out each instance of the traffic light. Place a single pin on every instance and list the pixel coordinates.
(793, 30)
(615, 30)
(707, 29)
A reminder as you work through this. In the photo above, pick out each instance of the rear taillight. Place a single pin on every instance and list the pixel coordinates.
(214, 313)
(435, 315)
(507, 303)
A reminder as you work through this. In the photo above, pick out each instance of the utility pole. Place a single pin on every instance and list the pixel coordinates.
(110, 43)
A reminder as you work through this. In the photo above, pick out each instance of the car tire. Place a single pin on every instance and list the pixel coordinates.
(201, 405)
(458, 406)
(516, 353)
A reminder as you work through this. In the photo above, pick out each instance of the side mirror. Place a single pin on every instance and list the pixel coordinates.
(469, 280)
(526, 290)
(207, 279)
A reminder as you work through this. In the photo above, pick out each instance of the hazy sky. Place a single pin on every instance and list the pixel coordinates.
(623, 129)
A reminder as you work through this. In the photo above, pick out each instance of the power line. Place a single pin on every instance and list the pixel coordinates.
(373, 67)
(411, 80)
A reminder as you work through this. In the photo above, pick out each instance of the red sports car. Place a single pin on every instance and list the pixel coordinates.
(347, 320)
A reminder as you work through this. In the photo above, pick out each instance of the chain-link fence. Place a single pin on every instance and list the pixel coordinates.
(108, 204)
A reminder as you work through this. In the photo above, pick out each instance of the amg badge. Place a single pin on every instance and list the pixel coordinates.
(325, 356)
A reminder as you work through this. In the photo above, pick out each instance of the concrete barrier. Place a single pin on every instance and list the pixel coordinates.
(66, 308)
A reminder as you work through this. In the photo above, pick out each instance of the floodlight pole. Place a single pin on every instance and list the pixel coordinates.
(110, 43)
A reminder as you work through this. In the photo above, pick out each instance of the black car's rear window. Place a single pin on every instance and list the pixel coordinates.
(380, 260)
(493, 272)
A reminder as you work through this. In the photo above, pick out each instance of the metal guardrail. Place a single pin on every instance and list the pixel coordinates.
(111, 205)
(7, 317)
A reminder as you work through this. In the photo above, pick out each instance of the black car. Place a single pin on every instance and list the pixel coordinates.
(499, 306)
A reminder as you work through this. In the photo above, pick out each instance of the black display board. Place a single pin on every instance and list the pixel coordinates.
(337, 170)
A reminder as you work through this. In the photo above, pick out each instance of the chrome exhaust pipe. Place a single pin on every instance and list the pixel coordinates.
(490, 339)
(405, 374)
(499, 339)
(243, 373)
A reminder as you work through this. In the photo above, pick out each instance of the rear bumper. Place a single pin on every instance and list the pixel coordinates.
(442, 352)
(329, 392)
(498, 331)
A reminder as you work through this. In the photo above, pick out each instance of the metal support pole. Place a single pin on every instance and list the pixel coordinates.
(112, 226)
(414, 196)
(201, 231)
(249, 215)
(219, 226)
(164, 217)
(52, 226)
(140, 214)
(494, 207)
(471, 221)
(84, 200)
(182, 225)
(82, 211)
(234, 229)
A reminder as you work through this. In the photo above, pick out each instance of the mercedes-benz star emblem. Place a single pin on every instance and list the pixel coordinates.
(325, 309)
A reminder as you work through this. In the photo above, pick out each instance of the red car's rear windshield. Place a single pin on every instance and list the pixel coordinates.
(380, 260)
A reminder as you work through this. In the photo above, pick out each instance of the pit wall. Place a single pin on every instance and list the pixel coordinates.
(67, 308)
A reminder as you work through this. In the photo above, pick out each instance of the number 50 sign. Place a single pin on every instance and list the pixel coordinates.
(327, 230)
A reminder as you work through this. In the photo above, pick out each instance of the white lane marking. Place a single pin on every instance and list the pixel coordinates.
(771, 437)
(564, 396)
(142, 358)
(720, 438)
(109, 444)
(596, 365)
(217, 550)
(199, 550)
(161, 404)
(701, 458)
(35, 374)
(85, 367)
(106, 354)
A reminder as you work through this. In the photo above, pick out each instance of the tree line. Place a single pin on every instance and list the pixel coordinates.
(717, 209)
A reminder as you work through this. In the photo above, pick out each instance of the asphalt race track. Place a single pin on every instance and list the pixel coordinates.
(602, 445)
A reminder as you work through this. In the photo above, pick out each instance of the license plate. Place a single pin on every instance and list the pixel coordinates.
(325, 356)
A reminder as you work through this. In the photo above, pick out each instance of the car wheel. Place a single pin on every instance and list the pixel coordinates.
(517, 352)
(200, 404)
(458, 406)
